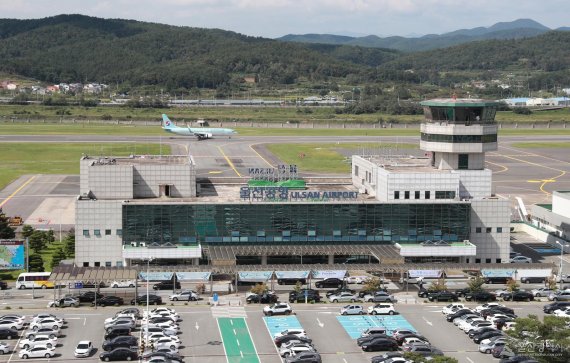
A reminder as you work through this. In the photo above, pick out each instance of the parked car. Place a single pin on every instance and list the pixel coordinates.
(109, 301)
(125, 322)
(277, 309)
(340, 290)
(451, 308)
(560, 296)
(11, 324)
(423, 349)
(46, 323)
(124, 341)
(37, 352)
(550, 308)
(480, 296)
(123, 283)
(187, 295)
(64, 302)
(488, 347)
(84, 349)
(119, 354)
(43, 331)
(380, 296)
(462, 292)
(542, 291)
(380, 309)
(356, 279)
(295, 349)
(497, 279)
(383, 358)
(563, 278)
(352, 310)
(423, 292)
(152, 299)
(4, 348)
(291, 281)
(113, 332)
(344, 297)
(167, 285)
(304, 357)
(8, 333)
(38, 340)
(519, 296)
(521, 259)
(330, 282)
(262, 299)
(89, 296)
(533, 280)
(167, 354)
(379, 344)
(490, 305)
(363, 293)
(458, 314)
(308, 294)
(288, 337)
(443, 296)
(373, 331)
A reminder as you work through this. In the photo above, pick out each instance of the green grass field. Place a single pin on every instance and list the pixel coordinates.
(53, 158)
(323, 157)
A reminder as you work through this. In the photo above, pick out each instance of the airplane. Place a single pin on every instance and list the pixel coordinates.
(200, 132)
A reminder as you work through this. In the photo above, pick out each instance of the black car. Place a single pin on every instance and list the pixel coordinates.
(423, 292)
(123, 341)
(166, 285)
(550, 308)
(285, 338)
(474, 333)
(116, 331)
(401, 337)
(533, 280)
(493, 333)
(7, 333)
(166, 353)
(497, 310)
(305, 357)
(120, 354)
(497, 279)
(519, 296)
(285, 281)
(330, 282)
(262, 299)
(480, 296)
(152, 300)
(380, 344)
(363, 293)
(109, 301)
(3, 285)
(88, 296)
(341, 290)
(371, 337)
(462, 292)
(384, 357)
(312, 295)
(458, 313)
(135, 311)
(443, 296)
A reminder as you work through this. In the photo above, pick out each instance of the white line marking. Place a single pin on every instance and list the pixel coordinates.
(344, 360)
(235, 332)
(84, 321)
(427, 321)
(241, 353)
(232, 322)
(197, 326)
(320, 324)
(237, 341)
(222, 338)
(469, 359)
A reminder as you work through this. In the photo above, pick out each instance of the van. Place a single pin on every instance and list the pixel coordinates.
(114, 332)
(373, 331)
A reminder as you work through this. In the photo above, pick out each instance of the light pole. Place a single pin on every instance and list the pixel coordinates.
(560, 268)
(147, 300)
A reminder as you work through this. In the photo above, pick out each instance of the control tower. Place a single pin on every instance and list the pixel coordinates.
(458, 132)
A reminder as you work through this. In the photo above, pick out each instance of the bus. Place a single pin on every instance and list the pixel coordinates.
(34, 280)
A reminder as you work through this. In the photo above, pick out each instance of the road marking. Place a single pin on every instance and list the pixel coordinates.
(344, 360)
(469, 359)
(237, 341)
(229, 161)
(427, 321)
(15, 346)
(197, 326)
(320, 324)
(234, 331)
(499, 165)
(241, 353)
(84, 321)
(17, 191)
(258, 154)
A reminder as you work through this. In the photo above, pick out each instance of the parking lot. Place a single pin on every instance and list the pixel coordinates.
(243, 334)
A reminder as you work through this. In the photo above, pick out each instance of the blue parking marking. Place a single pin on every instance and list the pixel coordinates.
(547, 251)
(355, 325)
(276, 324)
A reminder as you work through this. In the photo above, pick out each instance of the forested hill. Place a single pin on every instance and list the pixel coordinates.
(70, 48)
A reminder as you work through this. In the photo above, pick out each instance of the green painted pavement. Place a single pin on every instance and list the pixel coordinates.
(237, 341)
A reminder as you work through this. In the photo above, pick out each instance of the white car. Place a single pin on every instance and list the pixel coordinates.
(344, 297)
(43, 331)
(493, 318)
(277, 309)
(521, 259)
(476, 325)
(509, 325)
(563, 278)
(120, 317)
(160, 310)
(413, 340)
(562, 313)
(489, 305)
(540, 292)
(13, 317)
(157, 329)
(157, 336)
(296, 332)
(356, 279)
(187, 295)
(295, 349)
(167, 341)
(451, 308)
(165, 325)
(467, 321)
(39, 340)
(84, 349)
(37, 352)
(11, 324)
(122, 322)
(46, 323)
(4, 348)
(123, 283)
(381, 308)
(352, 310)
(41, 316)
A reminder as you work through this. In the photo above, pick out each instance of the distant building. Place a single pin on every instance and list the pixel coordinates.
(555, 217)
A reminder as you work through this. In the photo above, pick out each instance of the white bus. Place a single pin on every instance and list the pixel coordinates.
(34, 280)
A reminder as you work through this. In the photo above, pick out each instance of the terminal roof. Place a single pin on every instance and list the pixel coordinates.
(459, 102)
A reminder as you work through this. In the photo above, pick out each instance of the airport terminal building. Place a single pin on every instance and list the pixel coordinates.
(437, 207)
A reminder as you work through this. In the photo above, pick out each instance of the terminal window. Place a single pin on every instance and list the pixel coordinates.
(396, 195)
(119, 232)
(478, 230)
(356, 170)
(97, 232)
(488, 229)
(427, 194)
(499, 229)
(107, 232)
(406, 195)
(85, 233)
(416, 195)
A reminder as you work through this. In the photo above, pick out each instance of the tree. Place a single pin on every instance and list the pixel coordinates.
(57, 257)
(298, 287)
(36, 263)
(38, 241)
(546, 341)
(50, 236)
(371, 284)
(27, 230)
(69, 244)
(259, 289)
(476, 284)
(6, 231)
(551, 282)
(512, 285)
(438, 285)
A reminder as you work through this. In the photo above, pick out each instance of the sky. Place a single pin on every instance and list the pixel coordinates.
(275, 18)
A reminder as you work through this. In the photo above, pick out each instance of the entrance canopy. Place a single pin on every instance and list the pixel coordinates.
(292, 274)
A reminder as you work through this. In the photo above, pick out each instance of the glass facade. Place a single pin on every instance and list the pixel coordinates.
(459, 139)
(186, 224)
(461, 115)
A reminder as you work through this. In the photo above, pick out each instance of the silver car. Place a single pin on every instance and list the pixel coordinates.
(344, 297)
(543, 291)
(563, 295)
(487, 347)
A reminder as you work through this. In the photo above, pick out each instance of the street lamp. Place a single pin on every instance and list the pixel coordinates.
(560, 268)
(147, 299)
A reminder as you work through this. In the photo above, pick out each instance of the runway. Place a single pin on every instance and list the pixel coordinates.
(528, 173)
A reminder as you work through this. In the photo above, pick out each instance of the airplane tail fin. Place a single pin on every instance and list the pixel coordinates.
(166, 123)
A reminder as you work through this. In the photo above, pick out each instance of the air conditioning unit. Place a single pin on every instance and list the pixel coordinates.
(134, 244)
(142, 244)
